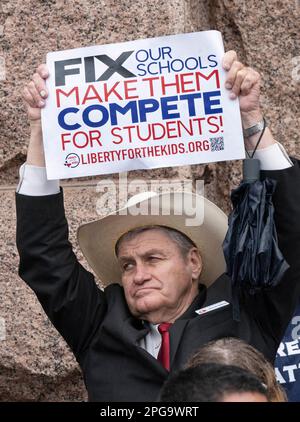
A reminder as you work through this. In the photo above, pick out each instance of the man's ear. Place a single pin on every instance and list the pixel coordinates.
(196, 263)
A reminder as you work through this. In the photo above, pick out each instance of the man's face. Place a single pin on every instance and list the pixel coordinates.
(159, 283)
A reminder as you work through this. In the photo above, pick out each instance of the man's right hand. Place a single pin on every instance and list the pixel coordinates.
(35, 93)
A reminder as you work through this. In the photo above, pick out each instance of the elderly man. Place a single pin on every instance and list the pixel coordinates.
(128, 337)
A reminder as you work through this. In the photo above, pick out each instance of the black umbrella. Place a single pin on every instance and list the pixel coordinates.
(251, 251)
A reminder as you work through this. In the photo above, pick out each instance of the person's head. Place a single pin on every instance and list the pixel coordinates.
(154, 260)
(213, 383)
(233, 351)
(151, 247)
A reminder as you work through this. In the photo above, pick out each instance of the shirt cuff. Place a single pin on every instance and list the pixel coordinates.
(273, 157)
(34, 182)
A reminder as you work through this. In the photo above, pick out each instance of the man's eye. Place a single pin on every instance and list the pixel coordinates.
(127, 266)
(154, 258)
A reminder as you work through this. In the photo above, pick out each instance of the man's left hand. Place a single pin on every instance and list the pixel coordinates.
(243, 82)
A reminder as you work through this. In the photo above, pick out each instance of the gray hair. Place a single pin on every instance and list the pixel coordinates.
(184, 243)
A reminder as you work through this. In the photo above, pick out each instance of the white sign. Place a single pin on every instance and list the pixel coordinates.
(141, 104)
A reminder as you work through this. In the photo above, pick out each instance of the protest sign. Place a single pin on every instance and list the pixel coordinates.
(141, 104)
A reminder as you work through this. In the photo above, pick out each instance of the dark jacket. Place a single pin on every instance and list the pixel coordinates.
(98, 326)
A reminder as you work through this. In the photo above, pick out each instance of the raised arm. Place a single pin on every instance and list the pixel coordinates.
(66, 291)
(274, 307)
(244, 83)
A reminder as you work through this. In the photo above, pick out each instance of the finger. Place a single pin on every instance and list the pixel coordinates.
(252, 78)
(236, 66)
(228, 59)
(239, 78)
(27, 97)
(43, 71)
(40, 85)
(39, 102)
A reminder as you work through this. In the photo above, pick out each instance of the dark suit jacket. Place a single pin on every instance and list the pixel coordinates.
(98, 326)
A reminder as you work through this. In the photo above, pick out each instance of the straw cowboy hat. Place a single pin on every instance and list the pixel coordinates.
(98, 239)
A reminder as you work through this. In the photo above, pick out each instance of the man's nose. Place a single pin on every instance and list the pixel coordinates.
(141, 274)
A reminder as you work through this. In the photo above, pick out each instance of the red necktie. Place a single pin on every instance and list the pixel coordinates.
(164, 351)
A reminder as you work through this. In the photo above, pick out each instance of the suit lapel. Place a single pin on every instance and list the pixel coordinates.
(219, 291)
(177, 329)
(133, 331)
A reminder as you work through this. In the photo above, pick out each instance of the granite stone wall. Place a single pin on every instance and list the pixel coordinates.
(35, 363)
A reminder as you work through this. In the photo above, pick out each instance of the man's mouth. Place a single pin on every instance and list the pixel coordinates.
(143, 291)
